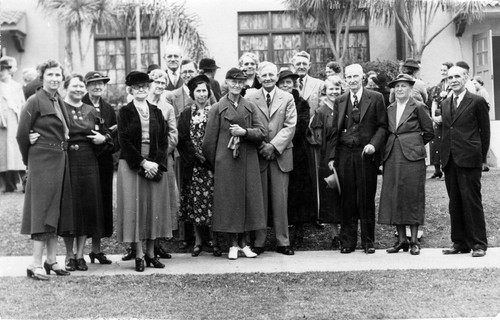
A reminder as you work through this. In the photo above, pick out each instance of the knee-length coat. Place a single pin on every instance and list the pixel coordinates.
(238, 199)
(47, 202)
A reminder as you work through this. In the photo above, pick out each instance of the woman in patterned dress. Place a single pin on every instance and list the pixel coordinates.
(197, 178)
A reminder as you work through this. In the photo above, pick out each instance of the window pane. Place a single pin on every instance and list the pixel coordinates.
(256, 44)
(284, 20)
(253, 21)
(285, 46)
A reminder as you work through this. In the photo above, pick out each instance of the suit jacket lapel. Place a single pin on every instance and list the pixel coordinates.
(261, 103)
(464, 104)
(307, 88)
(342, 109)
(275, 103)
(410, 106)
(364, 104)
(391, 114)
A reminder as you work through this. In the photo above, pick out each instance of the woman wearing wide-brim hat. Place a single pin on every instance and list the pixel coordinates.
(402, 199)
(143, 206)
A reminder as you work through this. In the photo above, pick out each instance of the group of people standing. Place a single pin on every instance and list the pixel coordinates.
(232, 160)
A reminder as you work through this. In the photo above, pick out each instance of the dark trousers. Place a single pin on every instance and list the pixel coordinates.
(358, 196)
(468, 229)
(10, 180)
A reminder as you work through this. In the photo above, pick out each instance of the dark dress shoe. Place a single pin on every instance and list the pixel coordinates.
(436, 175)
(346, 250)
(454, 250)
(153, 261)
(414, 249)
(196, 250)
(101, 257)
(286, 250)
(139, 264)
(369, 250)
(160, 252)
(59, 271)
(478, 253)
(217, 252)
(70, 265)
(399, 246)
(258, 250)
(81, 265)
(36, 274)
(129, 255)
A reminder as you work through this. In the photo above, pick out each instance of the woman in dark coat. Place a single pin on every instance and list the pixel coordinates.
(197, 178)
(233, 133)
(143, 204)
(402, 199)
(47, 203)
(96, 83)
(300, 186)
(84, 134)
(321, 124)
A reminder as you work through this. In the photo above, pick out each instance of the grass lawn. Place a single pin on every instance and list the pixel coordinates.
(342, 295)
(436, 228)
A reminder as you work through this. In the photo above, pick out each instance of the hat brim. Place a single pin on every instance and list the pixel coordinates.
(237, 78)
(292, 75)
(103, 79)
(392, 84)
(332, 181)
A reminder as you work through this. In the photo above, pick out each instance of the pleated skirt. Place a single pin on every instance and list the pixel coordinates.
(143, 206)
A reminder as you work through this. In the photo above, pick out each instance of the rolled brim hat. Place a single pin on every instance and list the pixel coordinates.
(332, 181)
(137, 77)
(193, 83)
(287, 74)
(93, 76)
(235, 74)
(402, 78)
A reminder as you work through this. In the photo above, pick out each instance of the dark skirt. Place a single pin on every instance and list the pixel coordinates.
(86, 190)
(402, 199)
(329, 200)
(106, 171)
(435, 145)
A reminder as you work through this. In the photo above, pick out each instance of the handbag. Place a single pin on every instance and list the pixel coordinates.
(155, 178)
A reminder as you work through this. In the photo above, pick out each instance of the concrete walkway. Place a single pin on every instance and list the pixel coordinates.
(269, 262)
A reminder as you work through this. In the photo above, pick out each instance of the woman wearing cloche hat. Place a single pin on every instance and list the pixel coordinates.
(402, 199)
(143, 206)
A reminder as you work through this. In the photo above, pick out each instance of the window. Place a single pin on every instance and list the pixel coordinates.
(277, 36)
(115, 56)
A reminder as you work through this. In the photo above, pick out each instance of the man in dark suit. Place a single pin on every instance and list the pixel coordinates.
(465, 143)
(359, 132)
(208, 67)
(174, 58)
(279, 115)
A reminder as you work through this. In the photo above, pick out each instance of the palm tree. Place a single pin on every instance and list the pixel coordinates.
(404, 12)
(326, 14)
(76, 15)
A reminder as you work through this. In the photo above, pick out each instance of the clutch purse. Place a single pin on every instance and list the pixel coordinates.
(155, 178)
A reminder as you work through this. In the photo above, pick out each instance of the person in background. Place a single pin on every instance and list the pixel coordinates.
(95, 84)
(12, 100)
(277, 110)
(469, 85)
(300, 187)
(208, 67)
(230, 145)
(333, 69)
(411, 67)
(480, 89)
(440, 92)
(309, 88)
(248, 63)
(380, 80)
(198, 178)
(32, 86)
(369, 84)
(143, 201)
(174, 57)
(42, 137)
(85, 127)
(29, 74)
(466, 139)
(402, 199)
(321, 124)
(355, 143)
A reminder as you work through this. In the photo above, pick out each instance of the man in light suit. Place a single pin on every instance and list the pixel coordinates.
(359, 132)
(465, 143)
(173, 57)
(309, 88)
(278, 112)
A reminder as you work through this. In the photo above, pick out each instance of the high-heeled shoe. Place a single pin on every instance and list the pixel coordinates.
(217, 252)
(160, 252)
(398, 246)
(248, 252)
(101, 257)
(50, 267)
(414, 249)
(130, 254)
(70, 264)
(36, 273)
(81, 265)
(153, 261)
(196, 250)
(139, 264)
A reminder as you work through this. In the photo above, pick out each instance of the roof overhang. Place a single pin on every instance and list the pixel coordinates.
(13, 23)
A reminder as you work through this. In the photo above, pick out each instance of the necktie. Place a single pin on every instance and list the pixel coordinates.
(355, 110)
(60, 115)
(301, 83)
(454, 106)
(268, 100)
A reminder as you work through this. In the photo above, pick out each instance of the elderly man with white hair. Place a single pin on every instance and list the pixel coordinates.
(358, 134)
(309, 88)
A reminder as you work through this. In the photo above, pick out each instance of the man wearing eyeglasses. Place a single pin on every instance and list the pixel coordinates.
(173, 57)
(359, 131)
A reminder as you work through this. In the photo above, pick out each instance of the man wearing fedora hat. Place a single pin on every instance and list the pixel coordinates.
(208, 67)
(358, 134)
(96, 83)
(411, 67)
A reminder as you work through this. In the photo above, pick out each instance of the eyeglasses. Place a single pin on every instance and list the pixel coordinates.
(236, 83)
(160, 83)
(144, 86)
